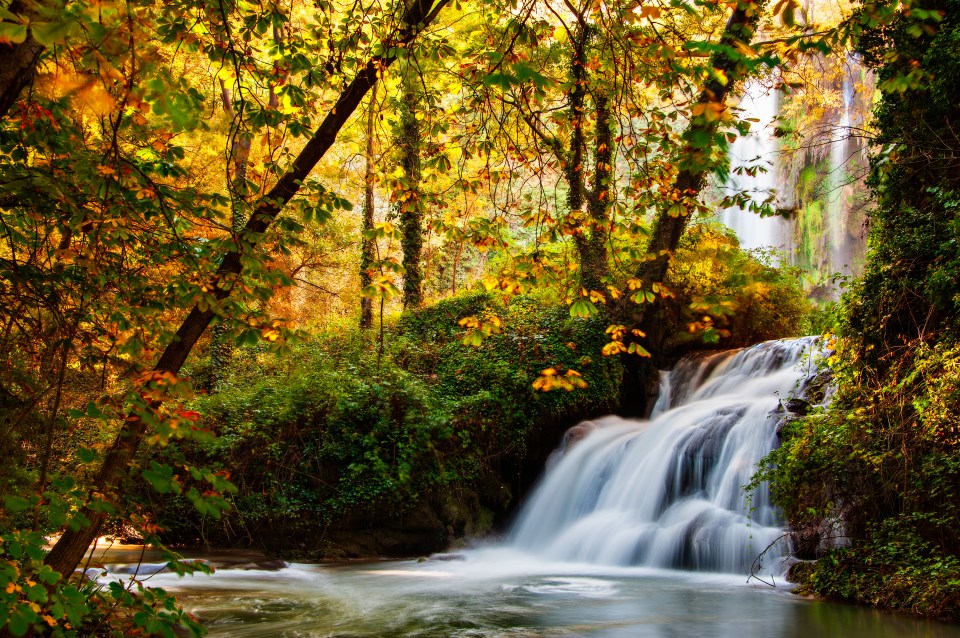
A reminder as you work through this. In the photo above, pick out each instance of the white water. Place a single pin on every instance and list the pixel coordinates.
(757, 150)
(668, 493)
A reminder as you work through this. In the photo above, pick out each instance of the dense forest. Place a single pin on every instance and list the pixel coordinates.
(331, 280)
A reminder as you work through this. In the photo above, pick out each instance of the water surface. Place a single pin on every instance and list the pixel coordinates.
(504, 593)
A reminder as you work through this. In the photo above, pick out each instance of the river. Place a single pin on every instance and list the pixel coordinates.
(504, 593)
(637, 529)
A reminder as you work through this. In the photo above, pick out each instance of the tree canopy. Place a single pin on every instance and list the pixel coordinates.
(168, 167)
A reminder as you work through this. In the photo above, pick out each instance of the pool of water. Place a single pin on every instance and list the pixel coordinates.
(503, 593)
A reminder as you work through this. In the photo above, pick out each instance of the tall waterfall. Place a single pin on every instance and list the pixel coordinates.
(818, 176)
(845, 162)
(758, 150)
(668, 492)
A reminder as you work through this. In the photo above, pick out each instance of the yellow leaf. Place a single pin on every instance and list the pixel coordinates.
(612, 348)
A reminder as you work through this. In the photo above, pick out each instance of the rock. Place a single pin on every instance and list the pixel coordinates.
(797, 406)
(801, 571)
(570, 438)
(806, 542)
(448, 557)
(266, 565)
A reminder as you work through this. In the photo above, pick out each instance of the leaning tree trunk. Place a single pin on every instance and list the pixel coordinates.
(73, 543)
(728, 63)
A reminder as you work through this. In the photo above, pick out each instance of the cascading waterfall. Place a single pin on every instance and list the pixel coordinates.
(668, 492)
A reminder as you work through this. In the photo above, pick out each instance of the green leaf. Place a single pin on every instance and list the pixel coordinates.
(582, 308)
(502, 80)
(18, 503)
(699, 138)
(51, 33)
(48, 575)
(21, 619)
(161, 478)
(12, 33)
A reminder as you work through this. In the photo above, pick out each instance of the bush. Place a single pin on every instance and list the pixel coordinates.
(333, 434)
(728, 296)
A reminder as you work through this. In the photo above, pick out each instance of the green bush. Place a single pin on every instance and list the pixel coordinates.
(334, 432)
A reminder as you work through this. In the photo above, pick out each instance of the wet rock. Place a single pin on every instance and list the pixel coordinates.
(267, 565)
(448, 557)
(806, 542)
(140, 569)
(570, 438)
(798, 406)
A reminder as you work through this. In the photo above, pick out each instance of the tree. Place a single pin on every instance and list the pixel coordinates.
(728, 65)
(367, 256)
(410, 207)
(20, 52)
(70, 548)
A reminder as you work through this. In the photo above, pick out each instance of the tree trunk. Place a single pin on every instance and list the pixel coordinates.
(574, 159)
(668, 229)
(411, 206)
(18, 64)
(367, 243)
(73, 543)
(593, 249)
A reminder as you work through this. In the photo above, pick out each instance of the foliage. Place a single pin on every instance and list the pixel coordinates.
(726, 296)
(883, 458)
(493, 382)
(333, 431)
(35, 599)
(164, 169)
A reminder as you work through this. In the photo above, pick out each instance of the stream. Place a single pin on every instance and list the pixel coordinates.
(504, 593)
(637, 529)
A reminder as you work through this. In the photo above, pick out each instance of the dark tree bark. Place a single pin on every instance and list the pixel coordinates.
(573, 166)
(18, 64)
(667, 229)
(73, 543)
(367, 245)
(593, 248)
(591, 238)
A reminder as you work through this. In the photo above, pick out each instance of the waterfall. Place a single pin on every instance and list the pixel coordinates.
(845, 158)
(818, 175)
(757, 150)
(668, 492)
